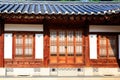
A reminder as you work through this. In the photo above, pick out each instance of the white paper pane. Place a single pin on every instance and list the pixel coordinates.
(93, 46)
(78, 49)
(70, 49)
(8, 45)
(53, 49)
(61, 35)
(70, 36)
(39, 46)
(78, 35)
(62, 49)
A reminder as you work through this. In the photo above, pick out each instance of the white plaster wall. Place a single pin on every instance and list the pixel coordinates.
(39, 46)
(93, 46)
(104, 28)
(107, 72)
(20, 71)
(2, 71)
(88, 71)
(8, 46)
(23, 27)
(44, 71)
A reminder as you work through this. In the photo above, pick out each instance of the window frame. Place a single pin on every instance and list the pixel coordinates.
(107, 46)
(23, 54)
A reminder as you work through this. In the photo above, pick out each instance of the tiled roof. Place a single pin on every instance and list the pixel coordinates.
(60, 8)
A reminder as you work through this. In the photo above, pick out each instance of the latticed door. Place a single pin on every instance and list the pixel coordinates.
(66, 47)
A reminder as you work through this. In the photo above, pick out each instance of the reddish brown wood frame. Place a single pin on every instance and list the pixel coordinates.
(23, 61)
(106, 61)
(1, 43)
(58, 21)
(66, 59)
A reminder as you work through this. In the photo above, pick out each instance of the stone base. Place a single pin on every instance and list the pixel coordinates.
(60, 72)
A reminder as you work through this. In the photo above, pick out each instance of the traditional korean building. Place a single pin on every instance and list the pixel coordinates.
(59, 38)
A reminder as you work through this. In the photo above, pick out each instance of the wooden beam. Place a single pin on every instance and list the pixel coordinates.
(1, 42)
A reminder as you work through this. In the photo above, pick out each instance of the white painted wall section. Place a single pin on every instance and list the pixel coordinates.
(39, 46)
(119, 45)
(93, 46)
(23, 27)
(8, 46)
(104, 28)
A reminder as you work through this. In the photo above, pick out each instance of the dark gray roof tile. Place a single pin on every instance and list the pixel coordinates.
(59, 8)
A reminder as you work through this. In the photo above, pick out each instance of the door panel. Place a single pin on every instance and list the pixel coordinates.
(62, 47)
(53, 47)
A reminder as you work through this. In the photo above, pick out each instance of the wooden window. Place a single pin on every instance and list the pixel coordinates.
(23, 45)
(107, 46)
(28, 45)
(19, 45)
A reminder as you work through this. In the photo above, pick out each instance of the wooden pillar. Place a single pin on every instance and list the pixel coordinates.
(1, 43)
(46, 43)
(86, 33)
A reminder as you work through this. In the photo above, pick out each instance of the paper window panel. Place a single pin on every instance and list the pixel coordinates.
(28, 51)
(28, 41)
(19, 40)
(78, 35)
(19, 45)
(53, 49)
(19, 51)
(103, 52)
(102, 41)
(53, 35)
(62, 36)
(61, 49)
(70, 49)
(70, 36)
(78, 49)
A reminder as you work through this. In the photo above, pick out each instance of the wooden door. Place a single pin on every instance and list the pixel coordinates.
(66, 47)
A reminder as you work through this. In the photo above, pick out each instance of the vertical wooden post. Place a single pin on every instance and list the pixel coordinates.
(86, 33)
(1, 43)
(46, 43)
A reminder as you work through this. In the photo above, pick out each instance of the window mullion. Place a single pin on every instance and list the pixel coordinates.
(23, 37)
(107, 48)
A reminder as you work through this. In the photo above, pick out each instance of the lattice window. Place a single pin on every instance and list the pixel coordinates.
(28, 45)
(23, 45)
(107, 46)
(19, 45)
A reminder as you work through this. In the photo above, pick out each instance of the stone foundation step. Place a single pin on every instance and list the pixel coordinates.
(64, 78)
